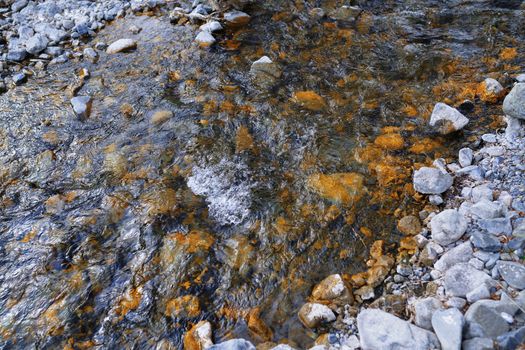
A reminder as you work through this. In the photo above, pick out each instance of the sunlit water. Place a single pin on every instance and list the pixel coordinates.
(124, 229)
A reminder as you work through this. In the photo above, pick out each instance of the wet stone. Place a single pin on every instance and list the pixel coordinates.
(121, 45)
(81, 106)
(447, 119)
(409, 225)
(313, 315)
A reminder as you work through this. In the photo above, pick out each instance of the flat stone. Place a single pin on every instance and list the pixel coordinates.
(16, 55)
(431, 181)
(463, 278)
(465, 157)
(448, 226)
(313, 315)
(381, 330)
(513, 273)
(485, 241)
(121, 45)
(448, 326)
(478, 344)
(483, 320)
(237, 17)
(514, 103)
(81, 106)
(423, 311)
(496, 226)
(461, 253)
(447, 119)
(233, 344)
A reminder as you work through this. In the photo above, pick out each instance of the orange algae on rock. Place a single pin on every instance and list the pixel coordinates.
(508, 53)
(186, 306)
(346, 188)
(390, 141)
(309, 100)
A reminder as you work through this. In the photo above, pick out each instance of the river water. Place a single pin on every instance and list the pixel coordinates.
(193, 192)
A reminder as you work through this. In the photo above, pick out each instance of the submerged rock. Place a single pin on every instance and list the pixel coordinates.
(333, 289)
(313, 315)
(431, 181)
(233, 344)
(447, 119)
(264, 71)
(81, 106)
(381, 330)
(121, 45)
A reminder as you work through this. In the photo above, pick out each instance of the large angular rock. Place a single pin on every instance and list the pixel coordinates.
(36, 44)
(511, 340)
(463, 278)
(485, 241)
(431, 181)
(448, 325)
(514, 103)
(448, 226)
(483, 319)
(478, 344)
(458, 254)
(381, 330)
(485, 209)
(513, 273)
(447, 119)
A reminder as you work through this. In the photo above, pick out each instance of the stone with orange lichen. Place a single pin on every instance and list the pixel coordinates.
(508, 53)
(376, 250)
(195, 241)
(186, 306)
(345, 188)
(390, 141)
(257, 326)
(408, 244)
(198, 337)
(243, 140)
(129, 301)
(424, 145)
(309, 100)
(160, 201)
(490, 91)
(409, 225)
(333, 290)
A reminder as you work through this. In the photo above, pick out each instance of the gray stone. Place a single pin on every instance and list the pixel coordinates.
(213, 26)
(489, 138)
(513, 273)
(16, 55)
(458, 303)
(423, 310)
(431, 181)
(448, 326)
(381, 330)
(465, 157)
(435, 199)
(233, 344)
(511, 340)
(36, 44)
(478, 264)
(485, 241)
(462, 278)
(485, 209)
(18, 5)
(483, 320)
(496, 226)
(481, 192)
(458, 254)
(474, 171)
(121, 45)
(514, 103)
(90, 53)
(478, 344)
(264, 71)
(448, 226)
(519, 231)
(54, 51)
(236, 17)
(81, 106)
(481, 292)
(447, 119)
(313, 315)
(19, 78)
(514, 129)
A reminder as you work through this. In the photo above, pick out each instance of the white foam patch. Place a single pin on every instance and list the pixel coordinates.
(227, 189)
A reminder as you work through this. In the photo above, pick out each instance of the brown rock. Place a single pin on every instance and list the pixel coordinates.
(313, 315)
(394, 304)
(198, 337)
(333, 289)
(409, 225)
(257, 325)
